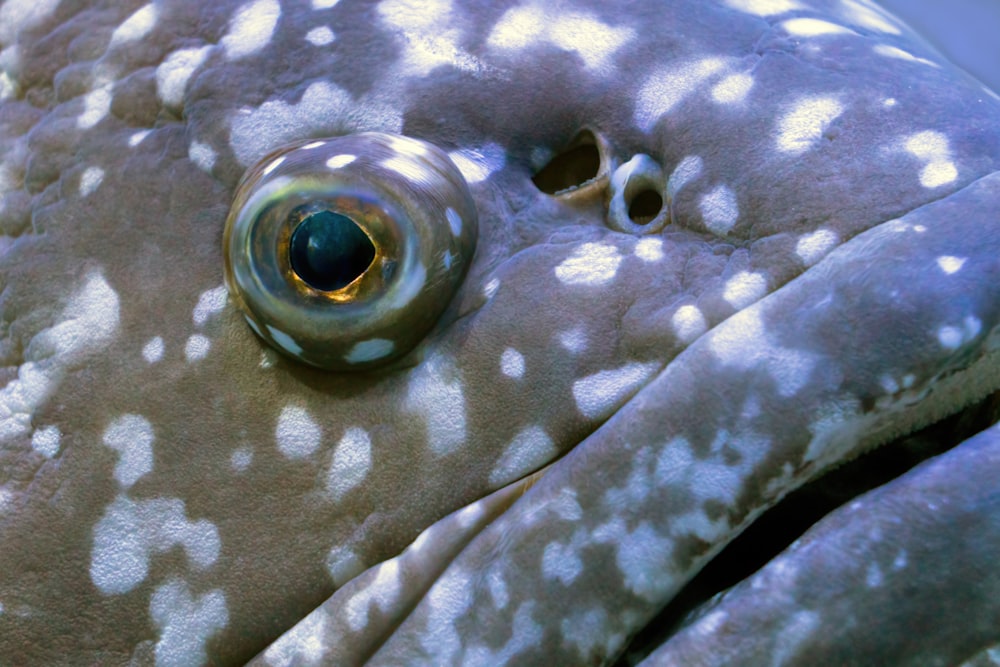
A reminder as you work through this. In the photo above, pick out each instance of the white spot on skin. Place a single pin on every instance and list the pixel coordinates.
(428, 38)
(91, 180)
(813, 247)
(324, 4)
(642, 555)
(383, 592)
(900, 54)
(932, 148)
(719, 210)
(186, 623)
(352, 460)
(277, 162)
(591, 264)
(130, 531)
(477, 165)
(210, 302)
(589, 632)
(173, 74)
(251, 28)
(868, 17)
(86, 326)
(23, 15)
(343, 565)
(900, 561)
(764, 7)
(574, 340)
(152, 351)
(312, 145)
(688, 323)
(744, 288)
(339, 161)
(953, 337)
(435, 391)
(136, 138)
(874, 577)
(320, 36)
(46, 441)
(802, 127)
(407, 168)
(297, 434)
(135, 27)
(454, 221)
(670, 86)
(512, 363)
(937, 174)
(132, 437)
(806, 27)
(284, 341)
(889, 102)
(96, 105)
(732, 89)
(528, 451)
(196, 348)
(596, 395)
(202, 155)
(491, 288)
(498, 588)
(369, 350)
(686, 171)
(950, 264)
(241, 459)
(649, 249)
(561, 562)
(304, 644)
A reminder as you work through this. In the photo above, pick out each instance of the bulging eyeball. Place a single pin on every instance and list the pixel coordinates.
(344, 252)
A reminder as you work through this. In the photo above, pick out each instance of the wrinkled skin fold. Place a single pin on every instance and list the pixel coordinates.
(812, 272)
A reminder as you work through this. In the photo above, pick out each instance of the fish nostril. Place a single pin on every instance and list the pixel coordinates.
(645, 206)
(572, 168)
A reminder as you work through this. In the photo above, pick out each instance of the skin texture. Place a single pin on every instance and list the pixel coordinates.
(824, 277)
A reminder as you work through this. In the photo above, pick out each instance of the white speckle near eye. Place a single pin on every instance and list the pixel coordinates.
(561, 562)
(369, 350)
(529, 450)
(744, 288)
(136, 138)
(868, 17)
(284, 341)
(210, 302)
(405, 167)
(297, 434)
(338, 161)
(932, 147)
(435, 391)
(277, 162)
(889, 102)
(764, 7)
(196, 348)
(573, 340)
(491, 288)
(590, 264)
(596, 395)
(91, 180)
(732, 89)
(46, 441)
(136, 26)
(804, 125)
(241, 459)
(649, 249)
(900, 54)
(512, 363)
(688, 323)
(96, 105)
(152, 351)
(670, 86)
(686, 171)
(320, 36)
(719, 210)
(813, 247)
(937, 174)
(806, 27)
(477, 165)
(454, 221)
(186, 622)
(352, 460)
(23, 15)
(312, 144)
(343, 565)
(950, 264)
(950, 337)
(251, 28)
(202, 155)
(132, 437)
(173, 74)
(324, 4)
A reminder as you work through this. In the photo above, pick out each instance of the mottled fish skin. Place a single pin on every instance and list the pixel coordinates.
(175, 492)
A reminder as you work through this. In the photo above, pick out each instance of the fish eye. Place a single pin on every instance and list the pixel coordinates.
(344, 252)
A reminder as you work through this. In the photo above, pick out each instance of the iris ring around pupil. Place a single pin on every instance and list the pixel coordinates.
(328, 251)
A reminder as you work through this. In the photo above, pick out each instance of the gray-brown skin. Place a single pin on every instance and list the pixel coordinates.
(174, 492)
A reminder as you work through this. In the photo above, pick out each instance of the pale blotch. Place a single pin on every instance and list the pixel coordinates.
(284, 341)
(196, 348)
(719, 210)
(869, 17)
(874, 577)
(152, 351)
(688, 323)
(429, 39)
(561, 563)
(932, 148)
(383, 592)
(132, 437)
(275, 163)
(497, 587)
(765, 7)
(136, 138)
(744, 288)
(573, 340)
(435, 391)
(304, 644)
(491, 288)
(297, 434)
(813, 247)
(889, 102)
(96, 105)
(136, 26)
(186, 623)
(953, 337)
(46, 441)
(590, 634)
(597, 395)
(320, 36)
(642, 556)
(670, 86)
(406, 167)
(343, 565)
(649, 249)
(802, 127)
(454, 221)
(172, 74)
(528, 451)
(312, 144)
(324, 4)
(23, 15)
(950, 264)
(900, 54)
(91, 180)
(512, 363)
(477, 165)
(591, 264)
(251, 28)
(732, 89)
(210, 302)
(369, 350)
(202, 155)
(686, 171)
(339, 161)
(241, 459)
(806, 27)
(352, 460)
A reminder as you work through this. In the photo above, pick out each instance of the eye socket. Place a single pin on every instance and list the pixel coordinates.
(344, 252)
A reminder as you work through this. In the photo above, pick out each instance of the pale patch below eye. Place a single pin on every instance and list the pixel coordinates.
(320, 36)
(172, 74)
(196, 348)
(597, 394)
(804, 125)
(813, 247)
(477, 165)
(744, 288)
(688, 323)
(352, 461)
(529, 450)
(764, 7)
(512, 363)
(202, 155)
(806, 27)
(950, 264)
(491, 288)
(251, 28)
(297, 434)
(96, 105)
(686, 171)
(649, 249)
(152, 351)
(591, 264)
(338, 161)
(210, 302)
(719, 210)
(732, 89)
(46, 441)
(91, 180)
(132, 437)
(186, 622)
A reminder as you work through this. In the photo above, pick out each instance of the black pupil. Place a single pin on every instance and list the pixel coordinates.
(328, 251)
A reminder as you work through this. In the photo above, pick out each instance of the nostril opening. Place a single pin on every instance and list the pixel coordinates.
(645, 206)
(570, 169)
